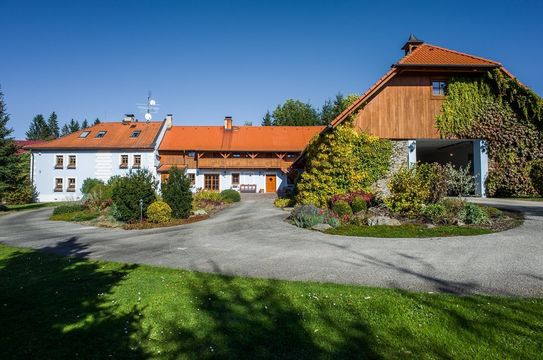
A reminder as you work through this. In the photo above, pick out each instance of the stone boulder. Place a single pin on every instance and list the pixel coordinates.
(321, 227)
(199, 212)
(383, 220)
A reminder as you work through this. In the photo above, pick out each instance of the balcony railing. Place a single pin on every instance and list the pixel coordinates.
(243, 163)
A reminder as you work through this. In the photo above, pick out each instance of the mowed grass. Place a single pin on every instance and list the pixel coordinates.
(31, 206)
(55, 307)
(407, 231)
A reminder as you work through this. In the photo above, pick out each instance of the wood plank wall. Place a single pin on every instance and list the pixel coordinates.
(403, 109)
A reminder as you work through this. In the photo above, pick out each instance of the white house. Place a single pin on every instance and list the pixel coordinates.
(59, 167)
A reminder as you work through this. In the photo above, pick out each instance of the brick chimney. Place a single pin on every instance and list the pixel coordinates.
(169, 121)
(228, 123)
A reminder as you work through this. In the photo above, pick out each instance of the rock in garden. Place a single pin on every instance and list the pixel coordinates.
(383, 220)
(199, 212)
(321, 227)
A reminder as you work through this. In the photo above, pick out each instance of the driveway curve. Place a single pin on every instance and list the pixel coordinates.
(251, 238)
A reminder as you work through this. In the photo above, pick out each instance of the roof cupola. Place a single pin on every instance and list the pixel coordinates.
(411, 44)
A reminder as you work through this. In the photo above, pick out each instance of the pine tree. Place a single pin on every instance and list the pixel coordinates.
(84, 124)
(267, 119)
(96, 122)
(8, 151)
(176, 193)
(38, 129)
(52, 124)
(65, 130)
(73, 126)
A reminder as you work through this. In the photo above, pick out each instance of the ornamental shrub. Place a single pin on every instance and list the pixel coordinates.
(159, 212)
(350, 196)
(342, 208)
(207, 198)
(474, 214)
(283, 202)
(536, 175)
(413, 188)
(230, 195)
(435, 213)
(176, 192)
(359, 204)
(89, 184)
(460, 182)
(306, 216)
(129, 190)
(342, 161)
(99, 197)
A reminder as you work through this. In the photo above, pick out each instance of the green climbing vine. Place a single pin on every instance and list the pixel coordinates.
(506, 114)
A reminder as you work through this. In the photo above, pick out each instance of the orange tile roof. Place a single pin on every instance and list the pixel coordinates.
(117, 137)
(427, 54)
(241, 138)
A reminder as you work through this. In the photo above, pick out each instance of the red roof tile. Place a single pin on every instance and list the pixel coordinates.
(117, 137)
(241, 138)
(427, 54)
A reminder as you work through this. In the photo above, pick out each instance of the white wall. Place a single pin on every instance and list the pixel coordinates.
(246, 177)
(89, 164)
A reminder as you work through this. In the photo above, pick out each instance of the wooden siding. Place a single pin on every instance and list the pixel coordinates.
(403, 109)
(242, 163)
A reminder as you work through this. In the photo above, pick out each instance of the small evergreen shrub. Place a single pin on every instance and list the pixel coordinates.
(435, 213)
(359, 204)
(129, 190)
(460, 182)
(89, 184)
(536, 176)
(230, 195)
(176, 192)
(342, 208)
(159, 212)
(69, 208)
(306, 216)
(474, 214)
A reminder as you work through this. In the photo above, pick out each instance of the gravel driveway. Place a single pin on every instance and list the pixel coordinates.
(251, 238)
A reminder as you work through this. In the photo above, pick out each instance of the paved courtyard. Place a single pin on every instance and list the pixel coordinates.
(251, 238)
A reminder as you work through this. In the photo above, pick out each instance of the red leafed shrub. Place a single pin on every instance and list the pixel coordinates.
(349, 197)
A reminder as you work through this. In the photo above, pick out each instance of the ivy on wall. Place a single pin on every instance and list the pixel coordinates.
(342, 161)
(506, 114)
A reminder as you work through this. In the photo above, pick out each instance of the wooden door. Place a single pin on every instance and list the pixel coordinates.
(270, 183)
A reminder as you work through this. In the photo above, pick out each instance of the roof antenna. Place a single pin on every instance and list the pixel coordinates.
(149, 108)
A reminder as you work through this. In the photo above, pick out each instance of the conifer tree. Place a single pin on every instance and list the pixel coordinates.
(84, 124)
(38, 129)
(52, 123)
(8, 150)
(96, 122)
(65, 130)
(73, 126)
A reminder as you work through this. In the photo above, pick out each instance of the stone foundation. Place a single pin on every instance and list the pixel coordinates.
(399, 158)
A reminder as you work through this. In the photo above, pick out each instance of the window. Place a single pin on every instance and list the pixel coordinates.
(71, 162)
(58, 184)
(101, 134)
(135, 133)
(291, 155)
(124, 162)
(84, 134)
(211, 182)
(59, 163)
(137, 161)
(235, 179)
(438, 88)
(71, 185)
(236, 155)
(192, 178)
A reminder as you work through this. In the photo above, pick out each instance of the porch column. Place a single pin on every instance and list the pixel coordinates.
(411, 152)
(480, 166)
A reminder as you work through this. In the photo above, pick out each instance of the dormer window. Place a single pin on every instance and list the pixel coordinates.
(84, 134)
(101, 134)
(438, 87)
(135, 133)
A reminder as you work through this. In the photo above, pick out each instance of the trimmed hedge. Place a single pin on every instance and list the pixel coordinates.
(67, 209)
(231, 195)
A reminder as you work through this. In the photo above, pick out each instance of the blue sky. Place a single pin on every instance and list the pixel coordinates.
(206, 59)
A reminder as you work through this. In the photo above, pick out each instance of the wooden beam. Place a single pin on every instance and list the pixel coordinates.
(253, 155)
(281, 155)
(226, 155)
(200, 154)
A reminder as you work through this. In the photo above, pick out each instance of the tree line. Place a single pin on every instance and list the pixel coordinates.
(40, 129)
(297, 113)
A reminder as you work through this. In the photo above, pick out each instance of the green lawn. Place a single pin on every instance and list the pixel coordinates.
(406, 231)
(63, 308)
(29, 206)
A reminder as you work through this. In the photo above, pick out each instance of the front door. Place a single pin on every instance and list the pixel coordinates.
(270, 183)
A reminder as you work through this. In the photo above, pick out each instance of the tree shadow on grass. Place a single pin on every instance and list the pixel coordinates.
(257, 319)
(55, 307)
